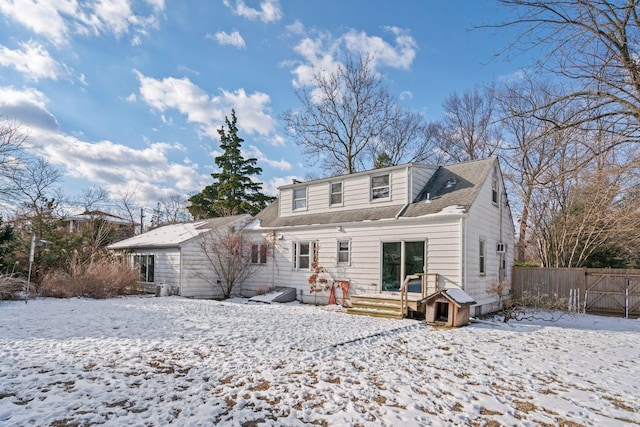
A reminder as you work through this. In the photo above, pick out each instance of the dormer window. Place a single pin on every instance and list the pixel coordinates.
(299, 198)
(335, 196)
(380, 187)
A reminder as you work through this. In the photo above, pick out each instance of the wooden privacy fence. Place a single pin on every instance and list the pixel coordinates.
(593, 290)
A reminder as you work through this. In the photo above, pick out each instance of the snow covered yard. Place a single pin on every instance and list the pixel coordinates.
(161, 361)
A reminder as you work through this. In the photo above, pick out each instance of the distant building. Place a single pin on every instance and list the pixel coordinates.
(124, 228)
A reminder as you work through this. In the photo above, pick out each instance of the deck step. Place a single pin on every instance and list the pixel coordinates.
(389, 314)
(375, 306)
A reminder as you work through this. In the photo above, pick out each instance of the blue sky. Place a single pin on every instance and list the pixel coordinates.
(127, 95)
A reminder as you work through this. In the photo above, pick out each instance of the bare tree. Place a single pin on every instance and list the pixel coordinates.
(469, 128)
(532, 144)
(34, 184)
(584, 208)
(92, 197)
(407, 138)
(12, 144)
(342, 114)
(173, 210)
(127, 205)
(591, 45)
(229, 253)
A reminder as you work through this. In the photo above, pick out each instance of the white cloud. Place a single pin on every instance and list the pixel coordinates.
(32, 60)
(271, 187)
(57, 20)
(400, 55)
(255, 152)
(208, 112)
(114, 166)
(233, 39)
(321, 52)
(406, 95)
(297, 28)
(27, 107)
(269, 10)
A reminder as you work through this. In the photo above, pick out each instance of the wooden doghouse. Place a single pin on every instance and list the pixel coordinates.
(450, 307)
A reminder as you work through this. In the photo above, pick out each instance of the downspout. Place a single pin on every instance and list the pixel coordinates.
(463, 254)
(180, 275)
(273, 259)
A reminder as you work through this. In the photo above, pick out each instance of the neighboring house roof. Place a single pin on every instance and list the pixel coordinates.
(90, 215)
(171, 236)
(451, 189)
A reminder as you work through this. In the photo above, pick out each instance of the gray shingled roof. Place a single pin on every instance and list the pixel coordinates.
(454, 186)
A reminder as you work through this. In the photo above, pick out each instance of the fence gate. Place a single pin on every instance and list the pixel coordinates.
(612, 292)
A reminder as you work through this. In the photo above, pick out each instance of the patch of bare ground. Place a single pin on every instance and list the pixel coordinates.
(485, 422)
(485, 411)
(543, 424)
(428, 411)
(620, 404)
(525, 407)
(568, 423)
(253, 423)
(261, 386)
(321, 423)
(65, 423)
(380, 400)
(226, 380)
(335, 380)
(457, 407)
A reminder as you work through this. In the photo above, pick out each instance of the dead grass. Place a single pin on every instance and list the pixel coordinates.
(11, 287)
(99, 278)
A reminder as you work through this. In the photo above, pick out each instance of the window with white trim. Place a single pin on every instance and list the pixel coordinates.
(299, 198)
(335, 193)
(344, 252)
(303, 254)
(380, 188)
(258, 253)
(145, 263)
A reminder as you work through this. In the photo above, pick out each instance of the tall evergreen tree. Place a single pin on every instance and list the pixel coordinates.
(232, 192)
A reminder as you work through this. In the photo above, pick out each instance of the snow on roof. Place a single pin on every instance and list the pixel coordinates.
(175, 234)
(459, 296)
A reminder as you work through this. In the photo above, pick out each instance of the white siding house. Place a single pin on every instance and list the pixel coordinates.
(374, 228)
(173, 256)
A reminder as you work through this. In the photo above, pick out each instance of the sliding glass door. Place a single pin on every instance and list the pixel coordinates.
(400, 259)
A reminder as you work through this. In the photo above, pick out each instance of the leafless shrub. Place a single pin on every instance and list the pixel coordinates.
(499, 288)
(11, 287)
(262, 290)
(99, 278)
(535, 307)
(229, 251)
